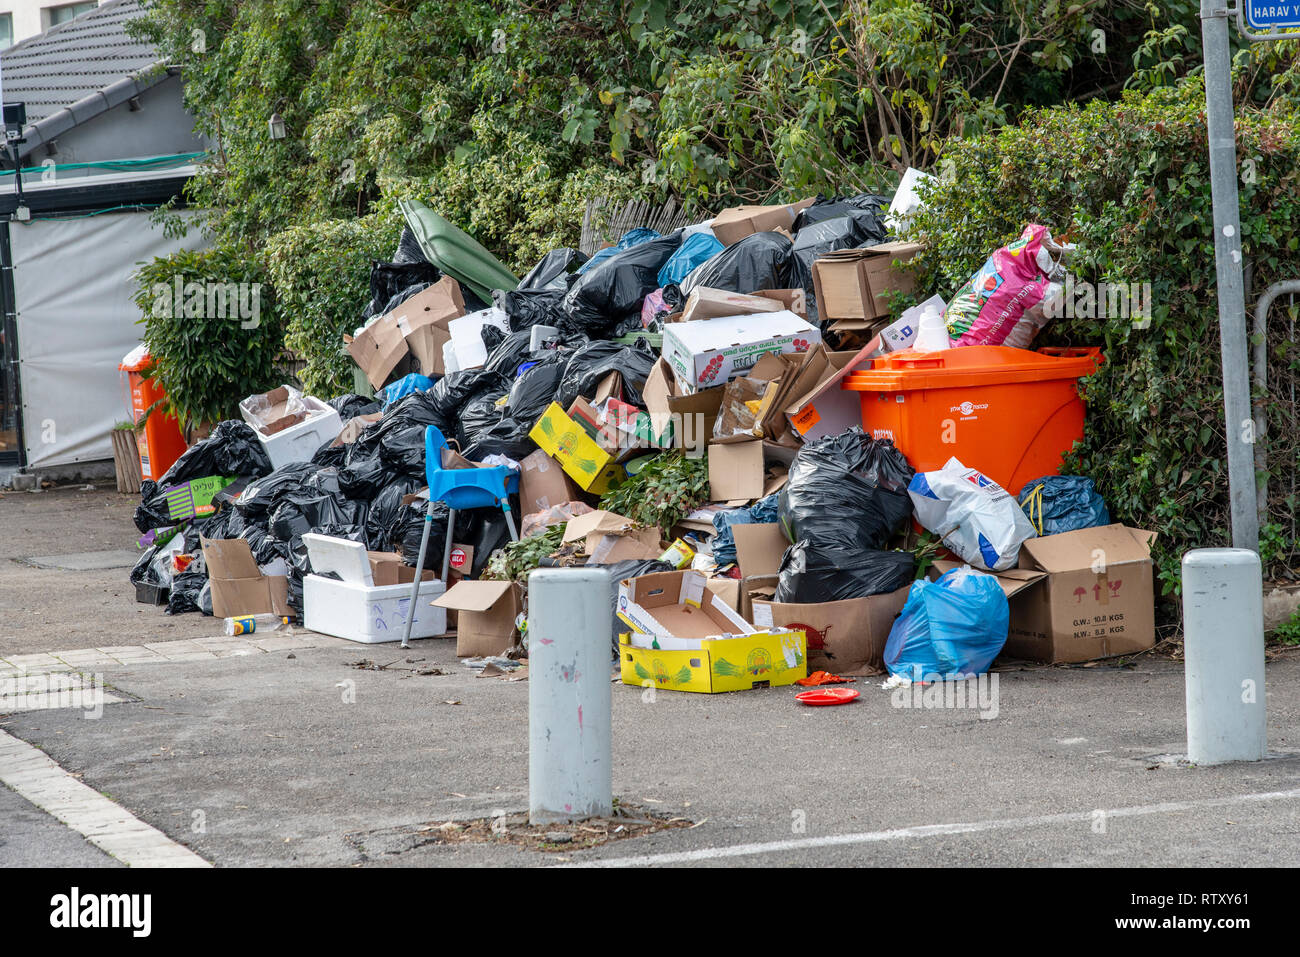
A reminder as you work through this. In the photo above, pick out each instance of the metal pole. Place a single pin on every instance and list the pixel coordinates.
(569, 750)
(419, 573)
(1223, 651)
(1260, 363)
(1227, 251)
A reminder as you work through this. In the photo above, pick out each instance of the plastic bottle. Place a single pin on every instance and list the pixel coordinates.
(247, 624)
(933, 334)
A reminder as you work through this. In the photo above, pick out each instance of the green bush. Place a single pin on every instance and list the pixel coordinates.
(1129, 182)
(322, 276)
(213, 329)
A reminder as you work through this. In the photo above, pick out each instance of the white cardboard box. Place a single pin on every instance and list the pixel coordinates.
(713, 351)
(357, 609)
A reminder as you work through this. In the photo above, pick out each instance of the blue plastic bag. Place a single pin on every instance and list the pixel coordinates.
(633, 237)
(695, 249)
(1063, 503)
(404, 387)
(950, 628)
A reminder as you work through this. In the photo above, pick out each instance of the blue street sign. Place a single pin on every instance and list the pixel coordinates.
(1271, 14)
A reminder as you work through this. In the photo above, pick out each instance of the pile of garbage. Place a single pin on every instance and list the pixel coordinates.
(732, 412)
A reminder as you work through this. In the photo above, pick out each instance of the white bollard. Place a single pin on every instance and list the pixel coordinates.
(1223, 651)
(570, 774)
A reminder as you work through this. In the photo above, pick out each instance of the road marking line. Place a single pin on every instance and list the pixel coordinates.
(928, 830)
(110, 827)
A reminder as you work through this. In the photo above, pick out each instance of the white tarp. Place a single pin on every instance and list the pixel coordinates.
(76, 320)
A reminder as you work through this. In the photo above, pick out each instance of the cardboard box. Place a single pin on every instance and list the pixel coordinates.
(416, 329)
(734, 224)
(740, 472)
(853, 283)
(704, 354)
(194, 498)
(689, 415)
(844, 637)
(486, 611)
(1079, 596)
(386, 568)
(238, 585)
(543, 483)
(796, 300)
(593, 468)
(608, 538)
(901, 334)
(686, 638)
(707, 303)
(759, 548)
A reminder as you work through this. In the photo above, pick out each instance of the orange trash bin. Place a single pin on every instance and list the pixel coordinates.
(161, 441)
(1011, 413)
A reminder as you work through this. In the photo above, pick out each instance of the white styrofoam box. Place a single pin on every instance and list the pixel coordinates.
(299, 443)
(355, 608)
(370, 614)
(467, 338)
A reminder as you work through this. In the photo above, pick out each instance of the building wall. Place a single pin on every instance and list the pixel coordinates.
(161, 127)
(29, 17)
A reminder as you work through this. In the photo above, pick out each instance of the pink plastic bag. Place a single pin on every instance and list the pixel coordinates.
(1006, 302)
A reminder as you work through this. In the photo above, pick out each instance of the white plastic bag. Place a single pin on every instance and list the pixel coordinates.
(974, 515)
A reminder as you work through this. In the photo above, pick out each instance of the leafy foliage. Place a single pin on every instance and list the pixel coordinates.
(514, 561)
(664, 492)
(209, 350)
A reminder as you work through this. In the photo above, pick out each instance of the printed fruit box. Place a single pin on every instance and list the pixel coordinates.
(582, 459)
(711, 352)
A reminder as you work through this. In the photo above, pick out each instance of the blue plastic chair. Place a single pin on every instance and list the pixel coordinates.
(460, 489)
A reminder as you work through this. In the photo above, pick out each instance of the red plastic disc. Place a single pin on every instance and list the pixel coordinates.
(824, 696)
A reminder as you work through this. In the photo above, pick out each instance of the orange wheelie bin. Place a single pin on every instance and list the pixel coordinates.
(161, 441)
(1011, 413)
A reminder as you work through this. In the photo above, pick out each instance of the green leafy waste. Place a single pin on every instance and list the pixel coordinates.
(664, 492)
(516, 560)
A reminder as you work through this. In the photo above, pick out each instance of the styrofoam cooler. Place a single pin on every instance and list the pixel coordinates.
(299, 443)
(356, 608)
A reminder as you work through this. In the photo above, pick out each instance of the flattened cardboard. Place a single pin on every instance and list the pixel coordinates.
(543, 483)
(844, 637)
(736, 471)
(238, 585)
(353, 428)
(599, 522)
(796, 300)
(707, 303)
(734, 224)
(826, 408)
(485, 616)
(377, 349)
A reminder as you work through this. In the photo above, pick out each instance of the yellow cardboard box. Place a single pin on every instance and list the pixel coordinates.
(582, 459)
(703, 645)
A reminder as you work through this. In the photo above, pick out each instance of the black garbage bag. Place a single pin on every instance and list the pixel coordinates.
(350, 406)
(263, 494)
(391, 284)
(231, 449)
(508, 353)
(531, 307)
(552, 271)
(610, 293)
(408, 526)
(143, 572)
(450, 393)
(330, 454)
(484, 530)
(529, 397)
(478, 415)
(589, 364)
(834, 207)
(186, 586)
(384, 509)
(401, 434)
(847, 491)
(759, 261)
(811, 574)
(317, 502)
(265, 547)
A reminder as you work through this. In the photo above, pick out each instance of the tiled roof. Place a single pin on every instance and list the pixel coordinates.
(78, 69)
